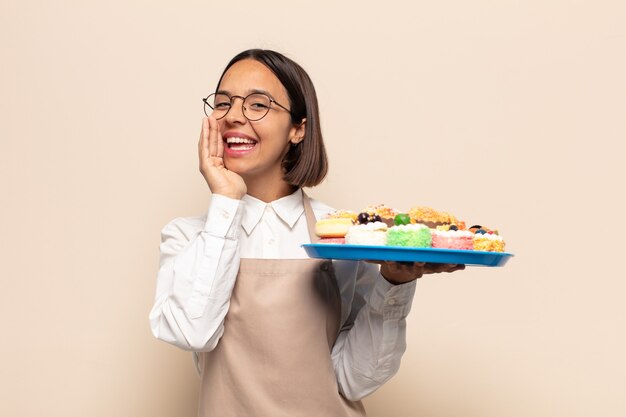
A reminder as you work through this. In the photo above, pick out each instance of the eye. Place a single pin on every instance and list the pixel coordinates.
(257, 102)
(259, 105)
(221, 102)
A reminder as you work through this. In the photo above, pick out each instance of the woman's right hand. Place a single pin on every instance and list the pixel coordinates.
(211, 153)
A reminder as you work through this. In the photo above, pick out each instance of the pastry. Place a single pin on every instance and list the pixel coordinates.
(413, 235)
(333, 227)
(373, 233)
(476, 227)
(488, 241)
(333, 240)
(385, 213)
(430, 217)
(343, 214)
(453, 239)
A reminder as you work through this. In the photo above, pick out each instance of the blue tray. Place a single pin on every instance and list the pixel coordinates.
(396, 253)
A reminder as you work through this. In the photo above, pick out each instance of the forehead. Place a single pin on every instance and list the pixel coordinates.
(248, 75)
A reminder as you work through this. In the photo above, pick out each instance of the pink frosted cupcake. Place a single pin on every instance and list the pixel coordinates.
(453, 239)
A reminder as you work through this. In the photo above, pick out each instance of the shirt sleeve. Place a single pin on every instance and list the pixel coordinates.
(371, 342)
(197, 271)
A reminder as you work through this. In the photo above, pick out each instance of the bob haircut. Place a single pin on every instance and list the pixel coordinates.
(306, 163)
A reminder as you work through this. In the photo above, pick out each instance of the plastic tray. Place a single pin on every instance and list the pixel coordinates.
(396, 253)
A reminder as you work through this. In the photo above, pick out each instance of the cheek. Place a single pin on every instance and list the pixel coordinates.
(278, 136)
(221, 123)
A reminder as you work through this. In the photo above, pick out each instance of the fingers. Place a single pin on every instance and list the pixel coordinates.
(220, 142)
(212, 134)
(452, 267)
(438, 268)
(395, 263)
(401, 272)
(416, 268)
(413, 268)
(203, 145)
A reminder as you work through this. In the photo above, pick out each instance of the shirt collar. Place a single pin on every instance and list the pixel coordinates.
(288, 209)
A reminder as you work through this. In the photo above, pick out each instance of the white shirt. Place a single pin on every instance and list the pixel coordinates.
(198, 268)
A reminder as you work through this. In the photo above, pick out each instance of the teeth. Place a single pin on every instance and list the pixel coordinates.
(239, 140)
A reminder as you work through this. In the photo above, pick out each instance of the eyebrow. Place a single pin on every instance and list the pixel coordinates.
(248, 92)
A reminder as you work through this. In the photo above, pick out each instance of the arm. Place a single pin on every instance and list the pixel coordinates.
(372, 341)
(197, 271)
(198, 266)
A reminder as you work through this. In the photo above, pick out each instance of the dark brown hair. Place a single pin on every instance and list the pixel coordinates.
(305, 164)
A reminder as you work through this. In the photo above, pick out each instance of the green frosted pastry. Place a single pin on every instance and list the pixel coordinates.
(412, 235)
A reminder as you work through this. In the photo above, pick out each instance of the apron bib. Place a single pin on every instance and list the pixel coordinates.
(274, 356)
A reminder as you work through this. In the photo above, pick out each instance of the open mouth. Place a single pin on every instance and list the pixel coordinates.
(240, 144)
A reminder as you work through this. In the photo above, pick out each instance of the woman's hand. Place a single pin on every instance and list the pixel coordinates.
(403, 272)
(211, 153)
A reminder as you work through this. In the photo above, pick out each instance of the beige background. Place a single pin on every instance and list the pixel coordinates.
(508, 113)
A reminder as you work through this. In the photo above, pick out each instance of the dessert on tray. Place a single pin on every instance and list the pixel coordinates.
(333, 228)
(453, 238)
(374, 233)
(370, 231)
(430, 217)
(421, 227)
(413, 235)
(488, 240)
(385, 214)
(343, 214)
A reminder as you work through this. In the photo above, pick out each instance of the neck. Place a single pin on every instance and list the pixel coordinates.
(268, 191)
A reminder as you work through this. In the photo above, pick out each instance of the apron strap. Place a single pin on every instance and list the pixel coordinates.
(310, 217)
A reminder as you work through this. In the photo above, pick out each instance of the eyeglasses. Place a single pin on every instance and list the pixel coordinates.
(255, 106)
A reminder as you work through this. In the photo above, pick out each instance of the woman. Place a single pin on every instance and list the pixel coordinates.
(276, 333)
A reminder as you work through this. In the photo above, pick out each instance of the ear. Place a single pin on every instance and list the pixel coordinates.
(297, 132)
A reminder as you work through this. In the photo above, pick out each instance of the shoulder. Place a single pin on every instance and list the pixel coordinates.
(183, 228)
(320, 209)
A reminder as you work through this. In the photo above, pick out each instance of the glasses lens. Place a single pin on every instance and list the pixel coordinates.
(219, 104)
(256, 106)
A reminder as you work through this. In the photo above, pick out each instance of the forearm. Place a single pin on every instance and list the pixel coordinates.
(368, 354)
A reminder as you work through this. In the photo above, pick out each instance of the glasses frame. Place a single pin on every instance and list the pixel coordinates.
(243, 109)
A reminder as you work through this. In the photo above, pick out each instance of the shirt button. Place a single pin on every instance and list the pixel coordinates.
(391, 302)
(271, 241)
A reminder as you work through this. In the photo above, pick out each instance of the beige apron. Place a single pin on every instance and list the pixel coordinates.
(274, 356)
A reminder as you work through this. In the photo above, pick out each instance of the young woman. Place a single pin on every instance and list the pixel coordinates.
(275, 333)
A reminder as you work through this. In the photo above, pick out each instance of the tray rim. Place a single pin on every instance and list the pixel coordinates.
(475, 258)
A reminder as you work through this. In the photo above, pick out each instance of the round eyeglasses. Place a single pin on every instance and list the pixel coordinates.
(255, 106)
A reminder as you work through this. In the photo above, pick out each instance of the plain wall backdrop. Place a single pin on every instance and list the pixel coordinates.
(506, 113)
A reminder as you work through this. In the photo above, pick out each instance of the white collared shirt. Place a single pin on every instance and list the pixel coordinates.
(198, 268)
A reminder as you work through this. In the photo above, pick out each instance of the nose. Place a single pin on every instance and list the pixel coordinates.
(235, 114)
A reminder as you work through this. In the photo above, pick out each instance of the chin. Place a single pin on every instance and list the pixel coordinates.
(238, 166)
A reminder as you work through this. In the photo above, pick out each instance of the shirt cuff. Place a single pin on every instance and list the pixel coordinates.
(224, 217)
(392, 301)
